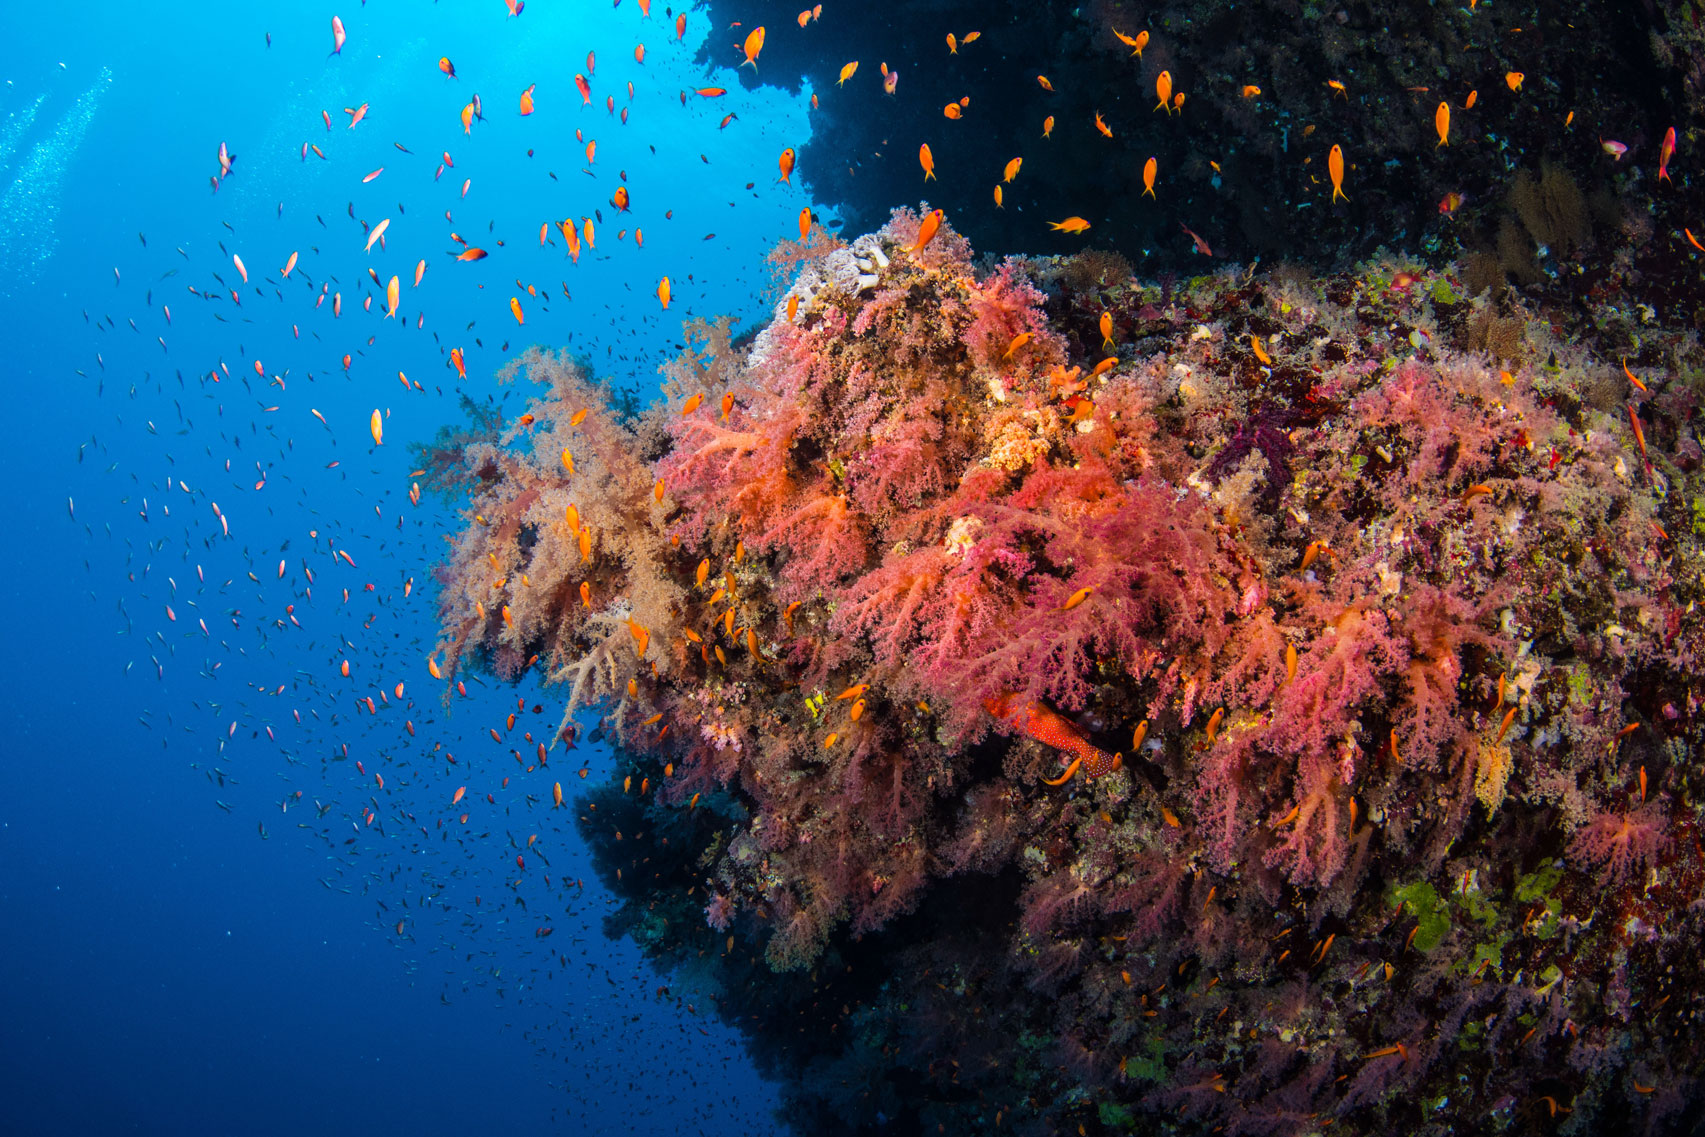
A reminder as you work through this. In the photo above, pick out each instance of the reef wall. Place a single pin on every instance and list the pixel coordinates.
(1044, 699)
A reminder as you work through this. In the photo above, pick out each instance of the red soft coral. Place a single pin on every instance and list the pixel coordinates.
(1150, 563)
(818, 539)
(1618, 843)
(1340, 673)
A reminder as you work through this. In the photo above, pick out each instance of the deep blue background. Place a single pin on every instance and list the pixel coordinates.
(166, 970)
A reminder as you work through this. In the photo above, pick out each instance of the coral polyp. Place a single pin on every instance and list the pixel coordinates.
(1396, 643)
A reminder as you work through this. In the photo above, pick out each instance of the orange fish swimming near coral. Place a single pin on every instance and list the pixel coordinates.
(1039, 722)
(927, 229)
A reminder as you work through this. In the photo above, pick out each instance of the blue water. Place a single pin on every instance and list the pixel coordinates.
(189, 947)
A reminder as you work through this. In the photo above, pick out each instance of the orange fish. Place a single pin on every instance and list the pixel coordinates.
(681, 26)
(1631, 377)
(754, 44)
(927, 229)
(585, 89)
(471, 255)
(927, 161)
(468, 119)
(527, 100)
(711, 92)
(515, 307)
(376, 426)
(639, 53)
(1012, 169)
(998, 197)
(786, 164)
(1666, 151)
(1512, 79)
(1046, 726)
(1441, 123)
(338, 36)
(1069, 225)
(1136, 43)
(1163, 88)
(1335, 167)
(1149, 168)
(1048, 126)
(1251, 91)
(456, 360)
(847, 72)
(1106, 329)
(446, 66)
(951, 110)
(1101, 126)
(1468, 103)
(804, 223)
(663, 291)
(620, 199)
(1042, 80)
(393, 293)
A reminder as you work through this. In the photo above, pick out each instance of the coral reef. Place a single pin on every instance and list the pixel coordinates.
(1395, 643)
(1270, 88)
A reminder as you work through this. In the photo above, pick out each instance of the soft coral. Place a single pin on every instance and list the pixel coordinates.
(1617, 843)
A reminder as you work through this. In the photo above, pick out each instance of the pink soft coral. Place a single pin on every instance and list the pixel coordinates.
(1620, 843)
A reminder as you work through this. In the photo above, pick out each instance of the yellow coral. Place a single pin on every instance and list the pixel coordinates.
(1014, 445)
(1491, 774)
